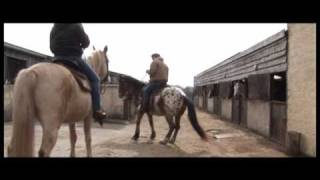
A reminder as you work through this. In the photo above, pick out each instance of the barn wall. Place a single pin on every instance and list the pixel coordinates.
(278, 121)
(200, 102)
(217, 105)
(210, 105)
(5, 67)
(226, 109)
(302, 84)
(7, 101)
(196, 100)
(258, 116)
(111, 103)
(239, 111)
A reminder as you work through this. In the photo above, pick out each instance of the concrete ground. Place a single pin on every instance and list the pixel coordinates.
(114, 140)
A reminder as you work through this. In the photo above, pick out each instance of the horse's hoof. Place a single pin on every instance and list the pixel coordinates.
(150, 141)
(163, 142)
(101, 124)
(171, 141)
(153, 136)
(135, 138)
(41, 153)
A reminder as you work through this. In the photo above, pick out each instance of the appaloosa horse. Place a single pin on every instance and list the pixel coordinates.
(171, 102)
(49, 93)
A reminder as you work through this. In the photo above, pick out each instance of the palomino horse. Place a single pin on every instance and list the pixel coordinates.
(171, 103)
(49, 93)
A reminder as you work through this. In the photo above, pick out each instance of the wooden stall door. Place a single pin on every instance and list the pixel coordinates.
(217, 106)
(243, 114)
(205, 100)
(278, 124)
(236, 111)
(239, 111)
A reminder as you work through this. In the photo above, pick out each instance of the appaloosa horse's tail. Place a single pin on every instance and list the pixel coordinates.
(23, 112)
(193, 119)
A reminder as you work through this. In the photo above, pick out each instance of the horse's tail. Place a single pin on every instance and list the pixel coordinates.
(193, 119)
(22, 141)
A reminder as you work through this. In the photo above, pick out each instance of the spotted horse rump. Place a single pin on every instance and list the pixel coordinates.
(173, 99)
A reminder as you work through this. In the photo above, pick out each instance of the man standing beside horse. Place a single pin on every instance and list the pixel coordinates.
(158, 72)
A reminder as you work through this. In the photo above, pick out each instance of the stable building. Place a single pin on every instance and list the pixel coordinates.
(262, 70)
(279, 94)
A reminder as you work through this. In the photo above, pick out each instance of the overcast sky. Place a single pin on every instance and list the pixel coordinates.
(187, 49)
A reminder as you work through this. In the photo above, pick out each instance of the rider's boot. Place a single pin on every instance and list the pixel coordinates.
(99, 116)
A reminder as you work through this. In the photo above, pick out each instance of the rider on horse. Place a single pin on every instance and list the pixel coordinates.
(67, 42)
(158, 78)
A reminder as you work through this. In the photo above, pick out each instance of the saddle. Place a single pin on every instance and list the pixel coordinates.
(80, 78)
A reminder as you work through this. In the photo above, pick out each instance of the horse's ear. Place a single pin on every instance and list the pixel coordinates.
(105, 49)
(93, 48)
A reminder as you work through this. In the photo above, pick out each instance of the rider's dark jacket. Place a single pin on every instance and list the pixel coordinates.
(68, 39)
